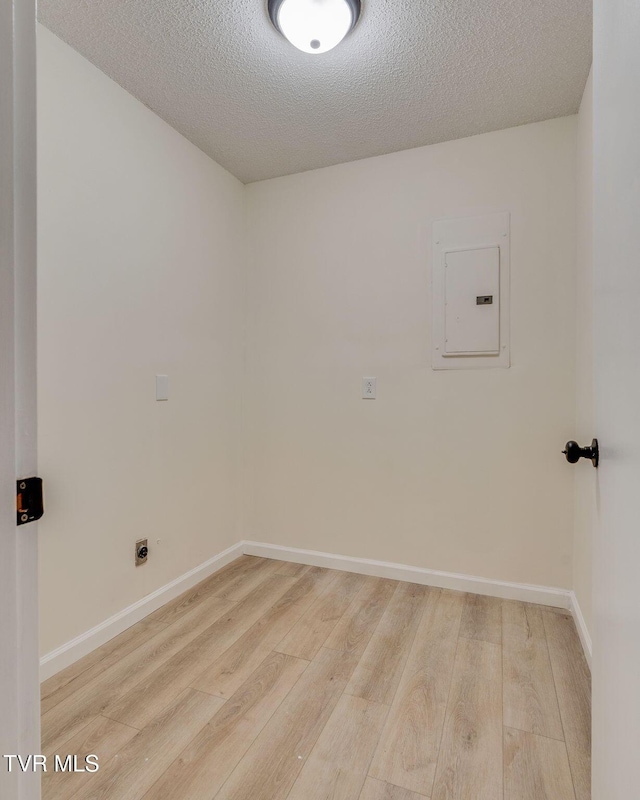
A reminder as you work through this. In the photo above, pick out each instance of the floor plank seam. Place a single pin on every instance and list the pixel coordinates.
(124, 724)
(395, 786)
(562, 720)
(237, 765)
(389, 705)
(203, 691)
(532, 733)
(297, 580)
(320, 598)
(90, 666)
(249, 743)
(320, 732)
(446, 709)
(553, 674)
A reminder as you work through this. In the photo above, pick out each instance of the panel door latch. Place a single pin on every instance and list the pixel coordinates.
(29, 500)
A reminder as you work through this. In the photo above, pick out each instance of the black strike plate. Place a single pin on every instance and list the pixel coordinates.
(29, 500)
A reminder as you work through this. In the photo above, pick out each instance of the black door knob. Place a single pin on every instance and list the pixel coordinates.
(574, 452)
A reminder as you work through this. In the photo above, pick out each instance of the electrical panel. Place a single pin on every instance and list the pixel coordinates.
(470, 292)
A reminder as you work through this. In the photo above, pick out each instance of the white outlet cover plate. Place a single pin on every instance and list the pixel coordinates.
(162, 387)
(369, 388)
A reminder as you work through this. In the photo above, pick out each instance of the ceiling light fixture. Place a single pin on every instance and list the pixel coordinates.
(314, 26)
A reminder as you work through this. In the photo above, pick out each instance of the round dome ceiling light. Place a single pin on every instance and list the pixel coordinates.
(314, 26)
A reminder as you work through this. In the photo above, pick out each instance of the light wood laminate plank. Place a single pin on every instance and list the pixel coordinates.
(272, 763)
(137, 706)
(337, 766)
(228, 672)
(563, 612)
(379, 671)
(292, 570)
(409, 745)
(242, 585)
(482, 618)
(535, 768)
(205, 764)
(68, 717)
(530, 702)
(359, 621)
(69, 680)
(142, 761)
(573, 684)
(101, 737)
(310, 632)
(177, 608)
(470, 758)
(374, 789)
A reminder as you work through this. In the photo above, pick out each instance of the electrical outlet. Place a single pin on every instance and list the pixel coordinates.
(142, 552)
(369, 388)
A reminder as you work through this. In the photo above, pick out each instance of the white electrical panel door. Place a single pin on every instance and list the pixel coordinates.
(470, 292)
(472, 301)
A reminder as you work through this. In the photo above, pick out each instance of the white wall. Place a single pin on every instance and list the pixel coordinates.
(142, 259)
(585, 476)
(457, 470)
(140, 272)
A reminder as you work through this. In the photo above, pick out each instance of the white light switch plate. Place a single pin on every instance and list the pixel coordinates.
(162, 387)
(369, 388)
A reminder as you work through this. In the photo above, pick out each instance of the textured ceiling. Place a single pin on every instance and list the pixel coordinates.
(413, 72)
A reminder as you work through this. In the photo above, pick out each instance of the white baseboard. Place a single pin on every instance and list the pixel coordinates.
(70, 652)
(543, 595)
(75, 649)
(581, 625)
